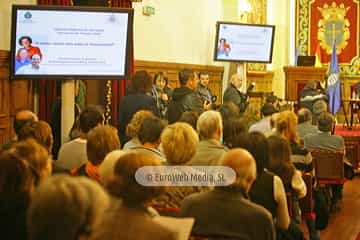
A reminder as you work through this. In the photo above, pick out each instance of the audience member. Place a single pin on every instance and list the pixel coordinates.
(229, 110)
(319, 108)
(263, 125)
(130, 218)
(149, 137)
(101, 140)
(281, 165)
(138, 98)
(233, 93)
(210, 149)
(132, 129)
(73, 154)
(286, 125)
(251, 115)
(16, 186)
(179, 142)
(185, 98)
(273, 120)
(190, 117)
(20, 120)
(305, 126)
(267, 189)
(106, 171)
(37, 157)
(161, 92)
(226, 211)
(232, 128)
(65, 207)
(40, 131)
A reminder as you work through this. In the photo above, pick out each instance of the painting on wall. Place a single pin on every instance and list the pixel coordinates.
(323, 23)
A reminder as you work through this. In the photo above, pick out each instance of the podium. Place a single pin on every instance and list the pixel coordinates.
(296, 78)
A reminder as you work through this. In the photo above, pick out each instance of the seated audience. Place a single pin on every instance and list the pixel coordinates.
(273, 119)
(73, 154)
(226, 211)
(319, 108)
(16, 185)
(185, 98)
(267, 189)
(305, 126)
(106, 171)
(37, 157)
(229, 110)
(281, 165)
(132, 129)
(100, 141)
(130, 218)
(149, 137)
(210, 150)
(20, 120)
(286, 127)
(161, 92)
(138, 98)
(65, 207)
(234, 95)
(251, 115)
(263, 125)
(179, 142)
(189, 117)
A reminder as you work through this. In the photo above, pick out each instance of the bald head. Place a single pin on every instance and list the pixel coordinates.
(243, 163)
(236, 80)
(22, 118)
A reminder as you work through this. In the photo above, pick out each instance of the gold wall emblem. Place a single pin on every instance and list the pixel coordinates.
(334, 26)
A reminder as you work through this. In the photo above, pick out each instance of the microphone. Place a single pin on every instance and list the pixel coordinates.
(250, 88)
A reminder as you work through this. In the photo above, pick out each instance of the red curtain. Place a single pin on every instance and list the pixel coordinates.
(47, 88)
(119, 86)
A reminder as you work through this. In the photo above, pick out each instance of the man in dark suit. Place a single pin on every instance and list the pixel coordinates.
(185, 98)
(233, 94)
(305, 126)
(226, 211)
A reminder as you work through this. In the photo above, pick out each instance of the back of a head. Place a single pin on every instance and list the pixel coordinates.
(100, 141)
(150, 130)
(209, 124)
(190, 117)
(132, 129)
(141, 82)
(286, 124)
(304, 115)
(310, 84)
(185, 75)
(257, 144)
(22, 118)
(326, 122)
(229, 110)
(106, 171)
(179, 142)
(243, 163)
(40, 131)
(89, 118)
(319, 107)
(233, 127)
(37, 157)
(268, 109)
(16, 178)
(124, 184)
(65, 207)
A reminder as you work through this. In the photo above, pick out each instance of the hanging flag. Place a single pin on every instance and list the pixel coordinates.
(334, 86)
(318, 56)
(297, 53)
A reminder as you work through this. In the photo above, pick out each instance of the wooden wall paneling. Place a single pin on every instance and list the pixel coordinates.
(172, 70)
(4, 98)
(25, 89)
(352, 150)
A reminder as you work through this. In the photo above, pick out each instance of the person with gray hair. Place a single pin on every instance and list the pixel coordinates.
(65, 207)
(240, 218)
(304, 126)
(210, 149)
(319, 107)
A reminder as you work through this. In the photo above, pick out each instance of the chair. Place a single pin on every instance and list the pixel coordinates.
(306, 203)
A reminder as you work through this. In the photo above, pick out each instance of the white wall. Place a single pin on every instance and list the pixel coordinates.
(180, 31)
(5, 20)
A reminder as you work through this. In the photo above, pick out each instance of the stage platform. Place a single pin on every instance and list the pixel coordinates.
(352, 143)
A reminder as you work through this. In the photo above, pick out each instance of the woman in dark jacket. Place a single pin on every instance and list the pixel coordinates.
(138, 98)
